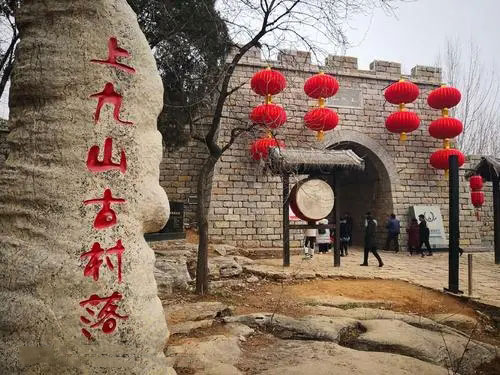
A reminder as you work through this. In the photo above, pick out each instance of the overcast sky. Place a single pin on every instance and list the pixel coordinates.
(418, 32)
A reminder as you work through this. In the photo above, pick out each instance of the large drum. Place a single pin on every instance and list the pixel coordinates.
(312, 199)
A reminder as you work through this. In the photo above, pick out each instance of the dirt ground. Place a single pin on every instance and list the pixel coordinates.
(291, 298)
(294, 299)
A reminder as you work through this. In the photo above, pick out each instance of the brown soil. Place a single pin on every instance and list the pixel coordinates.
(290, 298)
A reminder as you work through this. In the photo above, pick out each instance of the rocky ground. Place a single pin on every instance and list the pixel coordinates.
(257, 324)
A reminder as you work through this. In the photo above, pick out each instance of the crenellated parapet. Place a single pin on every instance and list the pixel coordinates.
(341, 65)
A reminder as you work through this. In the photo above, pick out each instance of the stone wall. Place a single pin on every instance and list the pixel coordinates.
(178, 175)
(246, 204)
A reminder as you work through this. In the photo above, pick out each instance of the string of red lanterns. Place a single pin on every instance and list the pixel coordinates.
(402, 121)
(321, 86)
(445, 127)
(267, 83)
(476, 195)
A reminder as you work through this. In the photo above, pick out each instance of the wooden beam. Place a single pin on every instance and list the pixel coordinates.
(454, 226)
(496, 214)
(286, 220)
(336, 250)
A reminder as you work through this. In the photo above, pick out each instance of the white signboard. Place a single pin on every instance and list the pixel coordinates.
(346, 98)
(434, 220)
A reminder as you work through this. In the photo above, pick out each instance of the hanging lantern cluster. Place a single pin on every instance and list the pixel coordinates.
(267, 83)
(269, 116)
(476, 194)
(259, 149)
(445, 127)
(321, 86)
(402, 121)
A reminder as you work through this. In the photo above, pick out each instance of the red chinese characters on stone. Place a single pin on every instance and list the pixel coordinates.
(113, 53)
(109, 96)
(94, 165)
(107, 315)
(97, 253)
(106, 217)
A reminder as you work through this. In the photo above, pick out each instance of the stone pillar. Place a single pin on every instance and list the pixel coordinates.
(77, 291)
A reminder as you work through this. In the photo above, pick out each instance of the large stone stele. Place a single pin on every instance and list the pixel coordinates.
(45, 227)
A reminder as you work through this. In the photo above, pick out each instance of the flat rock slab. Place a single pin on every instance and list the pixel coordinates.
(445, 349)
(321, 358)
(206, 355)
(196, 311)
(238, 329)
(318, 328)
(266, 272)
(367, 313)
(455, 319)
(186, 328)
(220, 369)
(340, 301)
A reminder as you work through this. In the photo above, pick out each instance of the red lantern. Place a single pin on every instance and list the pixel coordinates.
(321, 86)
(445, 128)
(401, 92)
(444, 98)
(476, 183)
(402, 122)
(268, 82)
(477, 198)
(268, 115)
(321, 120)
(260, 147)
(439, 159)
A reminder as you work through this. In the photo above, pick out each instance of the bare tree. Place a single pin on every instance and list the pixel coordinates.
(479, 109)
(9, 36)
(270, 25)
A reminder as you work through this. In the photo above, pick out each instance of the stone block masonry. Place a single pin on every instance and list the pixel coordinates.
(246, 204)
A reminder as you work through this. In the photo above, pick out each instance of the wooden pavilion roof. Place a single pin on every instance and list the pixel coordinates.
(486, 168)
(304, 161)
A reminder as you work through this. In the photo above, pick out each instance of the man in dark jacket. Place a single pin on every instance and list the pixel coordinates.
(370, 240)
(349, 226)
(393, 229)
(424, 236)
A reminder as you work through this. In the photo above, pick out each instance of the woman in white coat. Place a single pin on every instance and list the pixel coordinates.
(310, 240)
(323, 237)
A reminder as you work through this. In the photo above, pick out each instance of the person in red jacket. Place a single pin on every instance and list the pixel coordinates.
(413, 236)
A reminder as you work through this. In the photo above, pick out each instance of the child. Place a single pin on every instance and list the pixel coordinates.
(323, 237)
(310, 239)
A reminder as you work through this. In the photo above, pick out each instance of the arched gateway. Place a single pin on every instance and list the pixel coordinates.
(365, 190)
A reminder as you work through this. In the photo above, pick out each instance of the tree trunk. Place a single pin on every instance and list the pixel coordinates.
(202, 216)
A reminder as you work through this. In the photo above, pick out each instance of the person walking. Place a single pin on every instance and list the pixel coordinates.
(393, 229)
(424, 235)
(323, 238)
(344, 236)
(370, 240)
(350, 225)
(413, 236)
(310, 240)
